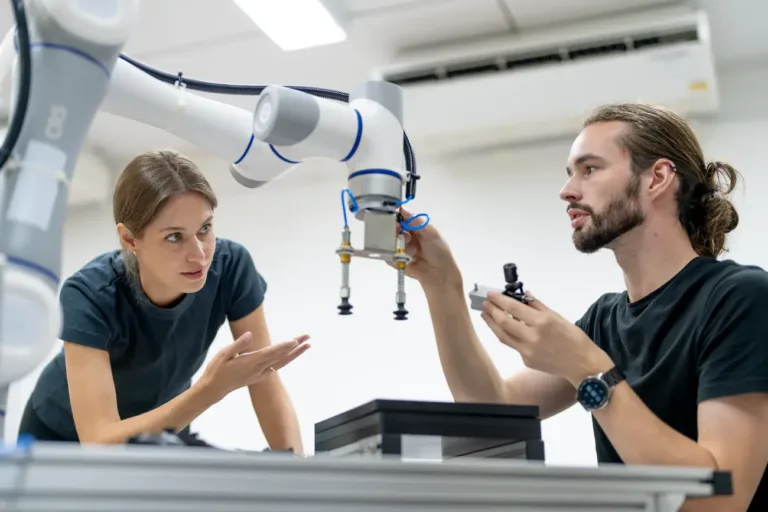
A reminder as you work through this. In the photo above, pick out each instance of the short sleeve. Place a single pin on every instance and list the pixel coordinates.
(587, 321)
(246, 286)
(733, 355)
(83, 319)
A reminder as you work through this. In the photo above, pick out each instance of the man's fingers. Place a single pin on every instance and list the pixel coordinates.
(499, 331)
(511, 326)
(536, 303)
(514, 307)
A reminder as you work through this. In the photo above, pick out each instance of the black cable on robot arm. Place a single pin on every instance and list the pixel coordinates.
(25, 84)
(255, 90)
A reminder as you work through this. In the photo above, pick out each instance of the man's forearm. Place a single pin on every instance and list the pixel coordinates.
(276, 415)
(469, 371)
(641, 438)
(175, 414)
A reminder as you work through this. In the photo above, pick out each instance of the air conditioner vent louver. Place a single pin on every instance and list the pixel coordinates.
(546, 57)
(539, 85)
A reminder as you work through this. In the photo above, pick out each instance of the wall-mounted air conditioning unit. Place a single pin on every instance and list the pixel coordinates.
(540, 85)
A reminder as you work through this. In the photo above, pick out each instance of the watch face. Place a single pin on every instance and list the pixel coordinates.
(593, 393)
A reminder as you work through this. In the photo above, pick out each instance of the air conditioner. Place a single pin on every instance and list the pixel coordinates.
(541, 85)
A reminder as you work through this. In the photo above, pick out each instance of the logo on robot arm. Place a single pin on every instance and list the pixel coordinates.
(54, 128)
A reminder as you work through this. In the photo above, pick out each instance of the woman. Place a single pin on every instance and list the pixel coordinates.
(138, 322)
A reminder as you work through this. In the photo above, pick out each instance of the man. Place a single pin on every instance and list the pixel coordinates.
(675, 369)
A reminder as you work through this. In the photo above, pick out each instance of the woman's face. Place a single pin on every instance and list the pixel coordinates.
(176, 249)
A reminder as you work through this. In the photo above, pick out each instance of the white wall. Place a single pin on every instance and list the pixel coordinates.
(510, 200)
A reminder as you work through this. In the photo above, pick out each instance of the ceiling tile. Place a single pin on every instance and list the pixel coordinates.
(738, 28)
(529, 14)
(176, 24)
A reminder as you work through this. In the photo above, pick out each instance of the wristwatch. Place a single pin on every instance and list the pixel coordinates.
(594, 392)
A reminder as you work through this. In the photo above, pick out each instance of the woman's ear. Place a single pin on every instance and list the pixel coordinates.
(127, 240)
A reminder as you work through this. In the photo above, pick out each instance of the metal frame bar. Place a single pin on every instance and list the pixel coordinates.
(63, 477)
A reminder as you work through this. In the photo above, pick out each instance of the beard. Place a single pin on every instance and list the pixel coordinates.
(620, 216)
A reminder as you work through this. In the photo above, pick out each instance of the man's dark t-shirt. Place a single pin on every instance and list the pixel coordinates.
(701, 336)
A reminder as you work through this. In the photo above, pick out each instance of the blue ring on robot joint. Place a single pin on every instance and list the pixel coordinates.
(385, 172)
(73, 51)
(247, 149)
(281, 157)
(358, 137)
(31, 265)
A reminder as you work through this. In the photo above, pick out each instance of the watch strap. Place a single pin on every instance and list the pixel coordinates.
(612, 377)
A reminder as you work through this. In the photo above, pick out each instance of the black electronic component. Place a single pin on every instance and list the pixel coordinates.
(514, 287)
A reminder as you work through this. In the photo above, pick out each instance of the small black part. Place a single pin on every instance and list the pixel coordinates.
(170, 437)
(510, 273)
(514, 288)
(192, 439)
(167, 438)
(268, 450)
(345, 308)
(401, 313)
(722, 483)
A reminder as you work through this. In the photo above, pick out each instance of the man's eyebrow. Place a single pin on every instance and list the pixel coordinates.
(176, 228)
(588, 156)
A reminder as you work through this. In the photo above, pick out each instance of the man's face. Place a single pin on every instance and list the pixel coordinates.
(177, 247)
(602, 192)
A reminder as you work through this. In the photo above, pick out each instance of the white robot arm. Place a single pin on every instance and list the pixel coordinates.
(70, 65)
(289, 126)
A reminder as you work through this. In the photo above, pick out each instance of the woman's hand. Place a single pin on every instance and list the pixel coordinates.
(233, 368)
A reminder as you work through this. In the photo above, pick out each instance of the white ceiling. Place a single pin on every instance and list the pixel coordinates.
(213, 40)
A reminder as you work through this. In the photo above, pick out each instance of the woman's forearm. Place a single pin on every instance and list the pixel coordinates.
(276, 415)
(175, 414)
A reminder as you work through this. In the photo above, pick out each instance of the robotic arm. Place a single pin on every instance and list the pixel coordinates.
(70, 65)
(289, 126)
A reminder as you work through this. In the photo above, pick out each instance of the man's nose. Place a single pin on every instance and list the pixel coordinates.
(570, 193)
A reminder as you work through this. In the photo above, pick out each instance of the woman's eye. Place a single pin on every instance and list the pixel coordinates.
(173, 237)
